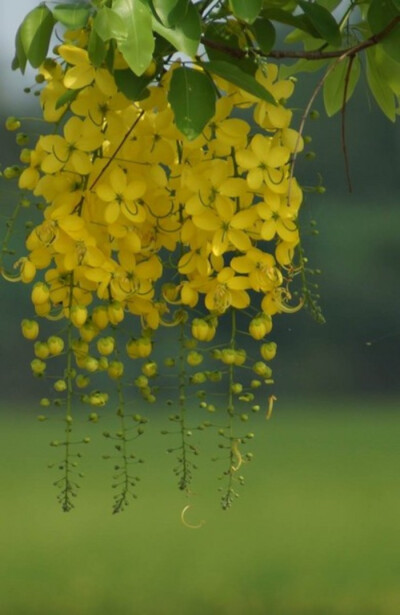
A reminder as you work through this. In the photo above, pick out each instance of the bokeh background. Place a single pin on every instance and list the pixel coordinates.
(315, 530)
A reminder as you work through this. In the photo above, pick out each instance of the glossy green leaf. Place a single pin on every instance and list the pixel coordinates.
(381, 91)
(388, 68)
(335, 83)
(134, 87)
(329, 5)
(248, 10)
(265, 34)
(233, 74)
(226, 38)
(67, 98)
(35, 33)
(97, 49)
(297, 21)
(301, 66)
(380, 14)
(20, 58)
(108, 24)
(185, 36)
(323, 22)
(137, 48)
(73, 16)
(171, 12)
(192, 97)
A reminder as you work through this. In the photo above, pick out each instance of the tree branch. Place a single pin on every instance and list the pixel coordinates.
(306, 55)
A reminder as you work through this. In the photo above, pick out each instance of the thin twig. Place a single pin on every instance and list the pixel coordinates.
(343, 129)
(306, 55)
(126, 136)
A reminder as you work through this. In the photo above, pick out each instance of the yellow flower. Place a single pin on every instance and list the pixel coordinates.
(226, 290)
(279, 219)
(264, 154)
(121, 196)
(83, 72)
(72, 150)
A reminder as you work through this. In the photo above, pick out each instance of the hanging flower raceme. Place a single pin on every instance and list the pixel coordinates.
(143, 228)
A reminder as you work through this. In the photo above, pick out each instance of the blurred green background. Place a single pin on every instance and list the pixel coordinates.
(315, 530)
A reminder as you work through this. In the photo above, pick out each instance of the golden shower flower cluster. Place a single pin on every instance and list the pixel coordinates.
(142, 227)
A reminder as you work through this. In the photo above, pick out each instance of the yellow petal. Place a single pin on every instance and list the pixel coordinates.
(247, 159)
(255, 178)
(111, 213)
(244, 219)
(207, 222)
(277, 156)
(242, 264)
(268, 230)
(240, 299)
(225, 209)
(239, 239)
(78, 77)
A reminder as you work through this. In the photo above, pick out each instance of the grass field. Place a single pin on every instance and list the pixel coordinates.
(316, 530)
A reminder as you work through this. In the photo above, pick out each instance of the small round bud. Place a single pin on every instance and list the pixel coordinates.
(12, 123)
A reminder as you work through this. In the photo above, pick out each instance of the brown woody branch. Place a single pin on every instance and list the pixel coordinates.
(306, 55)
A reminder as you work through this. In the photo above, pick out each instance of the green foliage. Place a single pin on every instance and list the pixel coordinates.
(235, 75)
(192, 97)
(33, 37)
(323, 22)
(236, 35)
(184, 36)
(171, 12)
(138, 45)
(347, 72)
(248, 10)
(72, 16)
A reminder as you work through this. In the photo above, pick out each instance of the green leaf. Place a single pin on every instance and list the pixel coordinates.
(171, 12)
(265, 34)
(35, 33)
(73, 16)
(233, 74)
(225, 38)
(381, 91)
(108, 24)
(137, 48)
(20, 58)
(248, 10)
(185, 36)
(323, 22)
(134, 87)
(330, 5)
(388, 68)
(67, 98)
(302, 22)
(97, 49)
(334, 85)
(192, 97)
(301, 66)
(380, 14)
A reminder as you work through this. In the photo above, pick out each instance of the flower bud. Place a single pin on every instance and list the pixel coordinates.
(12, 123)
(262, 369)
(30, 329)
(106, 345)
(100, 317)
(41, 350)
(55, 344)
(149, 369)
(40, 293)
(78, 315)
(115, 369)
(194, 358)
(268, 351)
